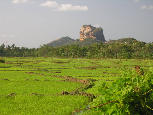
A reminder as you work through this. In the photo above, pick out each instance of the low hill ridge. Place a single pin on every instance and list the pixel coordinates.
(61, 42)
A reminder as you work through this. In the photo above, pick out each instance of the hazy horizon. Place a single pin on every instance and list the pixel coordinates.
(31, 23)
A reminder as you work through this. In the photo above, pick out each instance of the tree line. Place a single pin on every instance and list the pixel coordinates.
(137, 49)
(14, 51)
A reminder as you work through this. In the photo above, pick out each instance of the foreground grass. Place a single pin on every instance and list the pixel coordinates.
(27, 94)
(30, 86)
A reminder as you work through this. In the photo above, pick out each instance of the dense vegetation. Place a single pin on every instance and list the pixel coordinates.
(130, 94)
(14, 51)
(119, 49)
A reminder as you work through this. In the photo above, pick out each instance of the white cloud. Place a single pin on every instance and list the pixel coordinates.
(147, 7)
(70, 7)
(19, 1)
(52, 4)
(63, 7)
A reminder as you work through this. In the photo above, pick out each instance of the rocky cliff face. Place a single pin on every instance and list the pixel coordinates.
(88, 31)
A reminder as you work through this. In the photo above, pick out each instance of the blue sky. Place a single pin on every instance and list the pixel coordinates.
(31, 23)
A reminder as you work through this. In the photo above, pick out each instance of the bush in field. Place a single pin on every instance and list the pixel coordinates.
(131, 94)
(2, 60)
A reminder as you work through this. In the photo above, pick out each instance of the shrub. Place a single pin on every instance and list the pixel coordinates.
(130, 94)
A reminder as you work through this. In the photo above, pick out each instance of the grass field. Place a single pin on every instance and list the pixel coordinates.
(39, 86)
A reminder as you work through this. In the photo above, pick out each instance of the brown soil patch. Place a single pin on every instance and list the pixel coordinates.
(30, 72)
(6, 79)
(68, 78)
(11, 95)
(78, 93)
(36, 80)
(58, 72)
(37, 94)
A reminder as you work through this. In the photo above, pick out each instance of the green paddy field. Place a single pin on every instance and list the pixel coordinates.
(53, 86)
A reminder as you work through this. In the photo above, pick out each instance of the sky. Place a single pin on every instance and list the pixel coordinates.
(32, 23)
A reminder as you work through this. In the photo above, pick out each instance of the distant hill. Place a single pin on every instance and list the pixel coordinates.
(69, 41)
(61, 42)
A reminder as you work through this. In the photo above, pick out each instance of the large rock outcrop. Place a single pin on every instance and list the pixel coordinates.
(88, 31)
